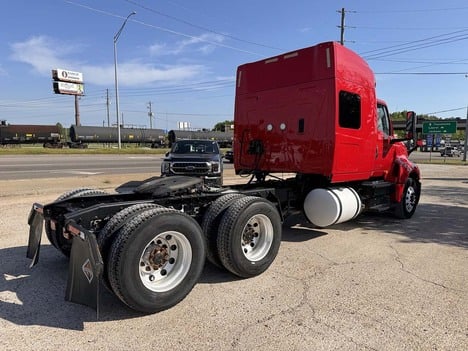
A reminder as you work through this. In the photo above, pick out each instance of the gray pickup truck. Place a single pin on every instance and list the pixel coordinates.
(199, 158)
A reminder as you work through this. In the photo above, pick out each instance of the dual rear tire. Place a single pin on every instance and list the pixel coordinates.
(155, 259)
(242, 233)
(155, 255)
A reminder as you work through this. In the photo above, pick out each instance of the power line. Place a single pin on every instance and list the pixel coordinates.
(415, 11)
(166, 30)
(412, 42)
(416, 45)
(410, 28)
(451, 110)
(423, 73)
(201, 27)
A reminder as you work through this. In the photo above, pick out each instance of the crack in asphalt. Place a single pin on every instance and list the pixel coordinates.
(404, 269)
(304, 302)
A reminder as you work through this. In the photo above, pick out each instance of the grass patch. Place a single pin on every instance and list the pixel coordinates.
(441, 161)
(39, 150)
(93, 149)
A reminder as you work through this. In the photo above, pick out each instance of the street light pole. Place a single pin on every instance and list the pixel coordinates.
(465, 147)
(116, 79)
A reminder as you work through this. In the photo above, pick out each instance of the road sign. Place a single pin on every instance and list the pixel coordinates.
(446, 127)
(437, 140)
(429, 139)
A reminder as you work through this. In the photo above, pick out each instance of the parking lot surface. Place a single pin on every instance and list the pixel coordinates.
(375, 283)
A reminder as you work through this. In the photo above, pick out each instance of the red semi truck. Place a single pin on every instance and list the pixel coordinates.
(314, 138)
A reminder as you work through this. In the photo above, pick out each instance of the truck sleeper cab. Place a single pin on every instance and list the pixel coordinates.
(314, 112)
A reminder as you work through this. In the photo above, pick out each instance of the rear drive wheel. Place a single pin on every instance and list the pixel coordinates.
(249, 236)
(156, 259)
(210, 225)
(55, 237)
(407, 206)
(106, 235)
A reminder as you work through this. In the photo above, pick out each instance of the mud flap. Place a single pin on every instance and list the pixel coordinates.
(85, 268)
(36, 223)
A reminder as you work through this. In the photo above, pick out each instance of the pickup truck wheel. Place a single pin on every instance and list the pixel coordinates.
(249, 236)
(106, 235)
(407, 206)
(156, 259)
(56, 238)
(210, 225)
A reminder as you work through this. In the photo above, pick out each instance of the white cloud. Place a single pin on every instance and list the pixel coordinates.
(135, 74)
(204, 44)
(43, 55)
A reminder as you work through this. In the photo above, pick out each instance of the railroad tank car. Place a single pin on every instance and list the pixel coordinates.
(224, 139)
(48, 135)
(94, 134)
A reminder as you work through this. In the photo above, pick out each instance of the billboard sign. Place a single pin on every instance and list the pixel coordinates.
(64, 75)
(68, 88)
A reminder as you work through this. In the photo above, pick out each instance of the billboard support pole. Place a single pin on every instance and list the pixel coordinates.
(77, 111)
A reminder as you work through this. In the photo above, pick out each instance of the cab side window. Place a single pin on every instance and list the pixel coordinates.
(383, 123)
(349, 110)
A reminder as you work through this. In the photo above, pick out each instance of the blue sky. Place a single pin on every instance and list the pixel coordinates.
(182, 55)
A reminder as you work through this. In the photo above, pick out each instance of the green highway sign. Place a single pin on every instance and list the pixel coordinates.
(441, 127)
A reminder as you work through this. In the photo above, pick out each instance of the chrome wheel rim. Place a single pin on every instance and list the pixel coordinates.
(257, 237)
(410, 199)
(165, 261)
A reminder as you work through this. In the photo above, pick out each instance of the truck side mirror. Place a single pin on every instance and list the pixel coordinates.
(411, 135)
(411, 120)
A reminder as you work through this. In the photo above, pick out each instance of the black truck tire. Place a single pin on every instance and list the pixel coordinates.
(210, 225)
(106, 235)
(249, 236)
(156, 259)
(57, 239)
(407, 206)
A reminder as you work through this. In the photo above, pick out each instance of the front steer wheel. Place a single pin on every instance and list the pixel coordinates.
(249, 236)
(410, 199)
(156, 259)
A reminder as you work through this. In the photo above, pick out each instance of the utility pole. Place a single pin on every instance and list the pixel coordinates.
(150, 114)
(342, 26)
(107, 107)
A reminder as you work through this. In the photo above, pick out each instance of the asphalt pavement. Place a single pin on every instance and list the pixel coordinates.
(375, 283)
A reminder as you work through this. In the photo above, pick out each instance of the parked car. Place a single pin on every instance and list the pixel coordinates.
(229, 156)
(450, 152)
(198, 158)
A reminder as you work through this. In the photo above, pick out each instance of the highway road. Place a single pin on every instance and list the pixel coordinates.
(16, 167)
(57, 166)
